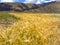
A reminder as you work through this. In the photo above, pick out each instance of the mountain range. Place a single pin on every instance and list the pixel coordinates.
(53, 7)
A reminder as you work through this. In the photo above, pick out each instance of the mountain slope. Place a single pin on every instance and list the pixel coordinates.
(53, 7)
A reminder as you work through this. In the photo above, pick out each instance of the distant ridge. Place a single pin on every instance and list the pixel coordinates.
(53, 7)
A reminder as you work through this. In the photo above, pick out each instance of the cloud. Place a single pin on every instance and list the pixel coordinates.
(38, 1)
(6, 0)
(30, 1)
(12, 1)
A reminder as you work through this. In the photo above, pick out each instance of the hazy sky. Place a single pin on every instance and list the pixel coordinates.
(12, 0)
(27, 1)
(37, 1)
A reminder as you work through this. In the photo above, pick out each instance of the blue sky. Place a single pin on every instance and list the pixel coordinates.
(20, 0)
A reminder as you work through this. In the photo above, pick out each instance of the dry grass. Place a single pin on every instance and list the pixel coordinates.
(32, 29)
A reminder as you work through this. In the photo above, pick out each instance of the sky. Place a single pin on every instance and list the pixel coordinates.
(27, 1)
(12, 0)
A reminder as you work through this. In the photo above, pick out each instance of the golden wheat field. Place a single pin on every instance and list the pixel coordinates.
(29, 29)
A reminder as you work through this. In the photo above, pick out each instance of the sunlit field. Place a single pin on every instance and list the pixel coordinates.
(29, 29)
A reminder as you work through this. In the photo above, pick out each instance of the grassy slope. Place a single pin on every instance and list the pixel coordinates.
(32, 29)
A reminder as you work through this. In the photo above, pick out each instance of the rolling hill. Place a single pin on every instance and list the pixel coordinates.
(53, 7)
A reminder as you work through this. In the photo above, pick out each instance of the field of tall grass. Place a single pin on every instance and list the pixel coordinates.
(29, 29)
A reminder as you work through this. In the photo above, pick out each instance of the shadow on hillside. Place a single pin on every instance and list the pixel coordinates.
(5, 7)
(7, 20)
